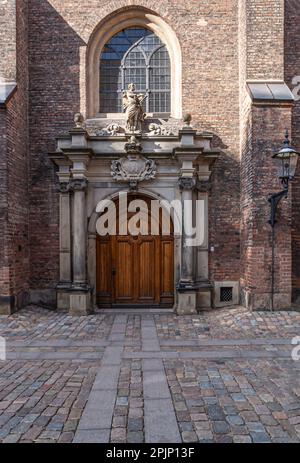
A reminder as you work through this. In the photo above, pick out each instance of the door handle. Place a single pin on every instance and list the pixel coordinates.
(113, 272)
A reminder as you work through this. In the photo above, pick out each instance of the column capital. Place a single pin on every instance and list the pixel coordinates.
(64, 187)
(78, 184)
(187, 183)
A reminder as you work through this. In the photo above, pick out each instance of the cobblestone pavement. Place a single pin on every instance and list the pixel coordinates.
(220, 376)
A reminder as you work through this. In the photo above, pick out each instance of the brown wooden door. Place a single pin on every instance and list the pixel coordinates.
(135, 271)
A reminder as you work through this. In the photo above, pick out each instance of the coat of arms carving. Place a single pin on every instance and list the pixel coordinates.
(134, 167)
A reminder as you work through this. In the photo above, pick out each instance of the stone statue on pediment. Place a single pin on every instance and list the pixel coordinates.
(132, 105)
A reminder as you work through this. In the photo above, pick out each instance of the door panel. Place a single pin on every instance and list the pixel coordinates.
(104, 271)
(167, 277)
(145, 270)
(123, 259)
(135, 270)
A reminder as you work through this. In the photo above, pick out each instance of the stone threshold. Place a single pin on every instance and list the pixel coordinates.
(136, 311)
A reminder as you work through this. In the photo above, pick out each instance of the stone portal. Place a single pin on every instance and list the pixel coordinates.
(164, 162)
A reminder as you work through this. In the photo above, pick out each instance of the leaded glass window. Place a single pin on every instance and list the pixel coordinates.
(135, 55)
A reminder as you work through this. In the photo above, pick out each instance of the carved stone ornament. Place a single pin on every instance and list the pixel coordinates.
(112, 130)
(78, 184)
(187, 118)
(133, 168)
(133, 146)
(160, 130)
(64, 187)
(187, 183)
(79, 121)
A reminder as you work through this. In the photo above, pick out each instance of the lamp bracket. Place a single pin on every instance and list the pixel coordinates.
(274, 200)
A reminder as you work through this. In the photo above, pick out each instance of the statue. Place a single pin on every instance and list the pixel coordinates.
(132, 105)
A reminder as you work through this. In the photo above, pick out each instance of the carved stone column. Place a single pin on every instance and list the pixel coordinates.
(187, 300)
(79, 232)
(194, 288)
(79, 154)
(187, 155)
(65, 275)
(65, 233)
(73, 157)
(80, 296)
(186, 185)
(65, 272)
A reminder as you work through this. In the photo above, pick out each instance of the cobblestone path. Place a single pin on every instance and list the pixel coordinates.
(220, 376)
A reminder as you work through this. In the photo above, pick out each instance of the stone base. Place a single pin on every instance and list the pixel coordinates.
(11, 304)
(43, 297)
(7, 305)
(262, 301)
(63, 300)
(186, 303)
(80, 303)
(204, 300)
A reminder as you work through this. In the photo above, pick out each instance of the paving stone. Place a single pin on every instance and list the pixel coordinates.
(256, 427)
(220, 427)
(215, 412)
(92, 436)
(235, 420)
(185, 426)
(268, 420)
(12, 438)
(242, 439)
(122, 401)
(189, 436)
(118, 435)
(204, 435)
(160, 422)
(135, 437)
(260, 437)
(223, 439)
(135, 424)
(98, 411)
(119, 422)
(135, 413)
(155, 385)
(106, 378)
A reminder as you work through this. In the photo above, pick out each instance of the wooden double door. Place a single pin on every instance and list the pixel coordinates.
(135, 271)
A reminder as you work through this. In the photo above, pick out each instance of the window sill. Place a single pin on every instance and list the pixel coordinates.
(118, 116)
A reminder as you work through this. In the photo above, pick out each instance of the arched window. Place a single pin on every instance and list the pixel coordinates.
(135, 55)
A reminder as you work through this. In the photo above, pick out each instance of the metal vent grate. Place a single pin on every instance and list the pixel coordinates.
(226, 294)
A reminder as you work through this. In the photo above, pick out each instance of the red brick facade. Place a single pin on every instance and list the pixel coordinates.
(14, 245)
(224, 43)
(292, 78)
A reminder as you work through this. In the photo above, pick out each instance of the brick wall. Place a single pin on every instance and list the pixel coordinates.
(292, 77)
(262, 131)
(4, 270)
(265, 39)
(259, 180)
(8, 49)
(14, 260)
